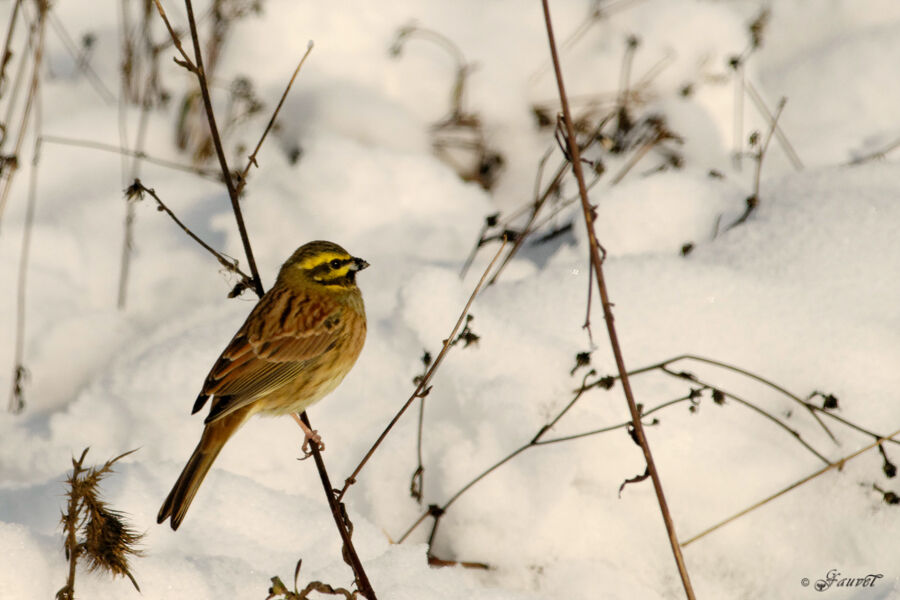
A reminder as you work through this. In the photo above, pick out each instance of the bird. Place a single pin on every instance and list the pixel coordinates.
(296, 345)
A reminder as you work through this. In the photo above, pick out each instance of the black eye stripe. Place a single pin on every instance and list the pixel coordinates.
(337, 263)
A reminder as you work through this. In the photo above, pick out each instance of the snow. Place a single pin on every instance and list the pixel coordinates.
(804, 293)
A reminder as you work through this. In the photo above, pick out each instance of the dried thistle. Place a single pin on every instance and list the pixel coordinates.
(93, 530)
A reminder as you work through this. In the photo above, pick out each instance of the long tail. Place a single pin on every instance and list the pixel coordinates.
(213, 439)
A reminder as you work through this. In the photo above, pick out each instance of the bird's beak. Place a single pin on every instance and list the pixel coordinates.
(359, 264)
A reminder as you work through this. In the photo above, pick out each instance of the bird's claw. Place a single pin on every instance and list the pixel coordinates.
(314, 437)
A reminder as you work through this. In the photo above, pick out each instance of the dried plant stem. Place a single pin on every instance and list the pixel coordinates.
(635, 159)
(362, 581)
(7, 45)
(220, 152)
(133, 175)
(597, 12)
(125, 258)
(773, 122)
(878, 154)
(844, 421)
(82, 64)
(251, 160)
(72, 546)
(738, 153)
(211, 174)
(644, 414)
(765, 146)
(422, 388)
(438, 512)
(753, 201)
(8, 173)
(758, 410)
(16, 397)
(596, 262)
(227, 262)
(196, 67)
(745, 373)
(535, 210)
(462, 67)
(835, 465)
(17, 86)
(417, 484)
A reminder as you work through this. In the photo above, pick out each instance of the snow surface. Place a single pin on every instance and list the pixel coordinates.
(805, 293)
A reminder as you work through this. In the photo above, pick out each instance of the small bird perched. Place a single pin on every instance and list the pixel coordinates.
(297, 344)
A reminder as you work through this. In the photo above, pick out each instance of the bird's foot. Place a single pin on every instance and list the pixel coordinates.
(309, 435)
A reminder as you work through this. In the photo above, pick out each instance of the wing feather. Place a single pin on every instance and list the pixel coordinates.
(280, 336)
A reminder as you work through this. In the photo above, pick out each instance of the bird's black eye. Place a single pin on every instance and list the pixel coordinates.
(336, 264)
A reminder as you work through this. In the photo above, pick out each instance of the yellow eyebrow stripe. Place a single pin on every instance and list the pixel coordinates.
(321, 259)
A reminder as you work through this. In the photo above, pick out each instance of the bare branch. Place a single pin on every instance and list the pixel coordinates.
(596, 262)
(423, 384)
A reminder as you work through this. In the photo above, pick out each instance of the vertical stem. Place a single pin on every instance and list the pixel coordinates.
(7, 175)
(220, 152)
(7, 52)
(134, 173)
(362, 581)
(596, 262)
(419, 475)
(125, 261)
(738, 156)
(16, 402)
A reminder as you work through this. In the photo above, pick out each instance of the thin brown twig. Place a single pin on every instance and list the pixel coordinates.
(623, 425)
(196, 67)
(83, 65)
(745, 373)
(185, 61)
(596, 13)
(635, 159)
(229, 263)
(540, 201)
(772, 121)
(334, 503)
(535, 210)
(533, 442)
(596, 262)
(755, 408)
(738, 125)
(587, 312)
(417, 482)
(251, 160)
(210, 174)
(836, 464)
(536, 440)
(843, 421)
(7, 45)
(134, 175)
(422, 388)
(759, 156)
(220, 152)
(16, 396)
(25, 53)
(6, 177)
(625, 72)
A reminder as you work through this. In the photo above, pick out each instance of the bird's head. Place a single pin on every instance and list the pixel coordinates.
(322, 263)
